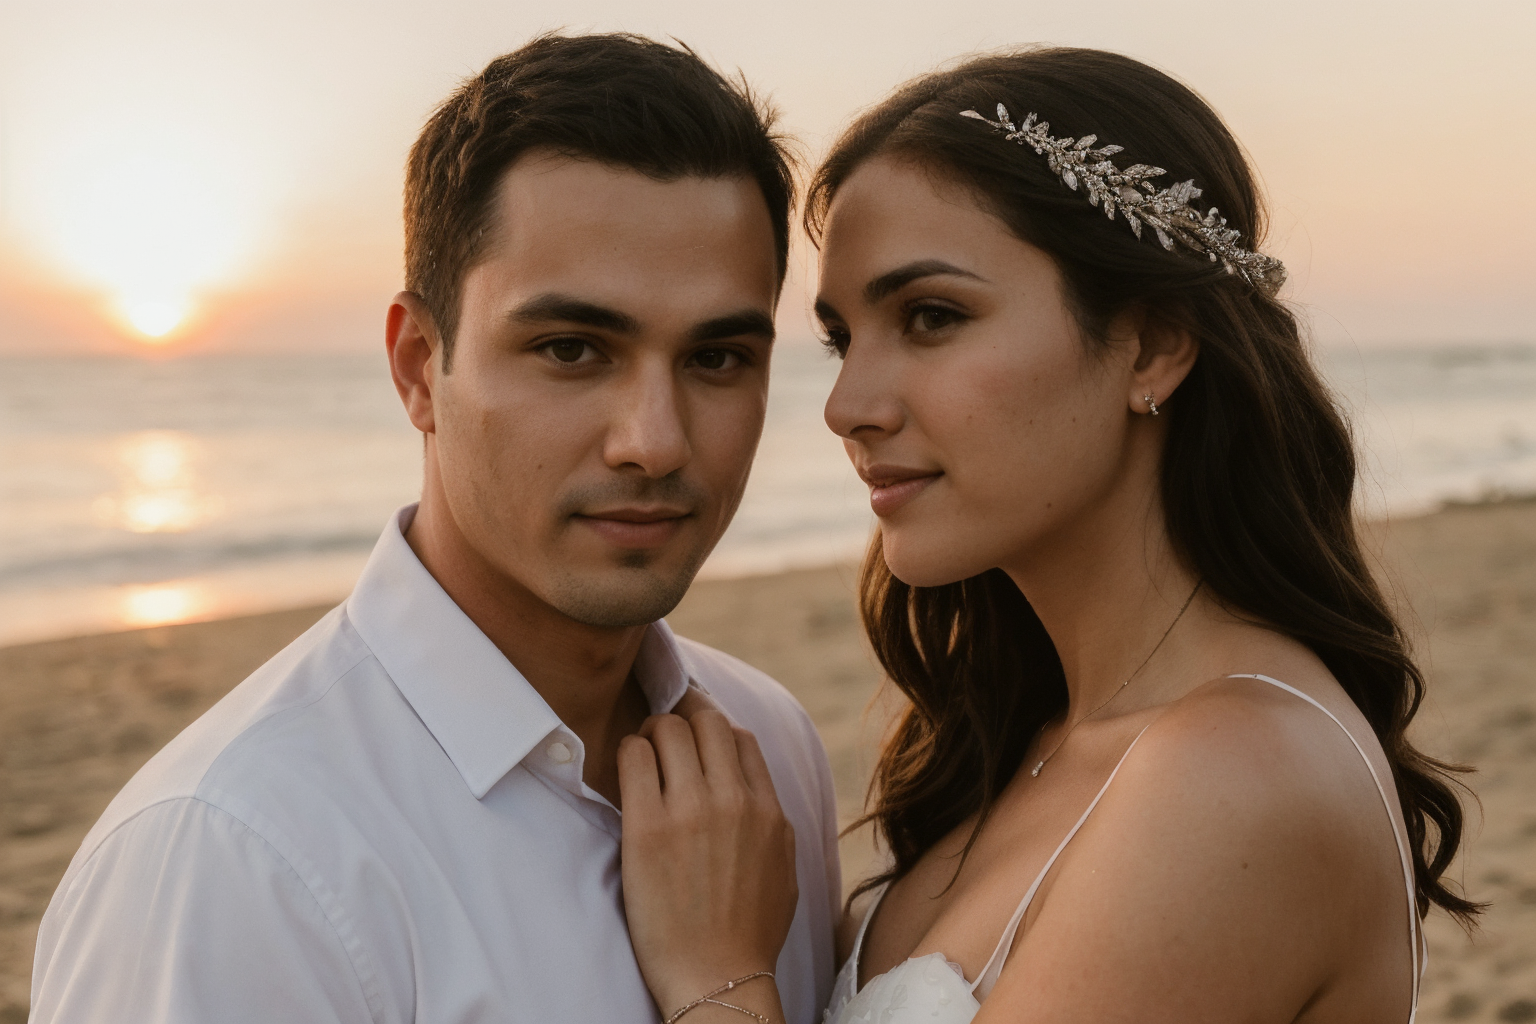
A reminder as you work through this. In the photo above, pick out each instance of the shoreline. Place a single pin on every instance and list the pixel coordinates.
(82, 713)
(244, 591)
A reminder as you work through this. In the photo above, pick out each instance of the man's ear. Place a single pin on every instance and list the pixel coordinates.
(1165, 353)
(412, 343)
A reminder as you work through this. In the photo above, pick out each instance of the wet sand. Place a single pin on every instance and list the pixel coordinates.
(80, 716)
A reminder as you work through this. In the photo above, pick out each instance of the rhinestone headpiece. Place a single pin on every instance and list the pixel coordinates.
(1130, 191)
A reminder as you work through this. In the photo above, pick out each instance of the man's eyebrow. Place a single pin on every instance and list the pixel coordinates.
(552, 307)
(893, 280)
(742, 323)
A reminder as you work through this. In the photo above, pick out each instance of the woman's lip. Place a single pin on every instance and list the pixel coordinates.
(886, 498)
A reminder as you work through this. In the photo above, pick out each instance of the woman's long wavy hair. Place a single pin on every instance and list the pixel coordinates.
(1258, 474)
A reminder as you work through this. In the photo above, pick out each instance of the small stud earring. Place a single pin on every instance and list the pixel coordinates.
(1151, 401)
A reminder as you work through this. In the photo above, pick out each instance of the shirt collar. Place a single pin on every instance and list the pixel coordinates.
(481, 710)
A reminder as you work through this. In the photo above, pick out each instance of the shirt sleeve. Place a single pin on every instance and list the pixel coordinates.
(185, 915)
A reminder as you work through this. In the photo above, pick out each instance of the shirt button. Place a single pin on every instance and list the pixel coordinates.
(560, 753)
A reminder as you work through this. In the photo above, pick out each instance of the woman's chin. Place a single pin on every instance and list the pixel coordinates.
(928, 562)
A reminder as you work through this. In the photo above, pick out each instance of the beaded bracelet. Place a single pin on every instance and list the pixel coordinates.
(709, 997)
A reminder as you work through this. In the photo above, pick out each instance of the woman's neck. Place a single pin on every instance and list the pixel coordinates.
(1107, 589)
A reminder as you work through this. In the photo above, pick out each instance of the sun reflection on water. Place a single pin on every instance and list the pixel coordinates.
(159, 605)
(158, 491)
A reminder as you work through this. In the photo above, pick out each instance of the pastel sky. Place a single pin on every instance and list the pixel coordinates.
(233, 169)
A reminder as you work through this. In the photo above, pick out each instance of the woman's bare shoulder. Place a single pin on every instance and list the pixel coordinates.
(1244, 738)
(1247, 786)
(1232, 829)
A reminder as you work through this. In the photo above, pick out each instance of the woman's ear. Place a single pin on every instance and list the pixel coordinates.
(1165, 353)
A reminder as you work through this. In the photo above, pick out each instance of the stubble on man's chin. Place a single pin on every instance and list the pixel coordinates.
(631, 593)
(634, 590)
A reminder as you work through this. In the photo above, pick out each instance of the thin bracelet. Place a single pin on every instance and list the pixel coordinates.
(740, 1009)
(709, 997)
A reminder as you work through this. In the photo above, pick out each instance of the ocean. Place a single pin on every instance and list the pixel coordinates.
(141, 491)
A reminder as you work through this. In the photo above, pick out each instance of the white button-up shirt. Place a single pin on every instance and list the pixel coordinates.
(387, 823)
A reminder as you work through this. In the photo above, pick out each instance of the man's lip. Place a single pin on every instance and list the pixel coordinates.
(637, 515)
(635, 528)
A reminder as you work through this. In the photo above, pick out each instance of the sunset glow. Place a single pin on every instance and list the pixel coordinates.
(150, 215)
(163, 187)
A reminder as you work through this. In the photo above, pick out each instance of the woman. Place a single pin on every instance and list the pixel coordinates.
(1154, 766)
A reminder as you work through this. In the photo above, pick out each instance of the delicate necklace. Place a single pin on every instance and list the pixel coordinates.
(1159, 646)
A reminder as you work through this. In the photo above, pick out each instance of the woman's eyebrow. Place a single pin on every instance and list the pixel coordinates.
(824, 311)
(893, 280)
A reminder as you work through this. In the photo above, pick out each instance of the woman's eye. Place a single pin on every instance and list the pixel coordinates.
(567, 350)
(716, 359)
(835, 341)
(934, 318)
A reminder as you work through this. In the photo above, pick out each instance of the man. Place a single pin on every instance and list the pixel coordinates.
(411, 813)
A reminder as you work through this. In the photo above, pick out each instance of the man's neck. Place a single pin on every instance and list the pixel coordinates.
(584, 673)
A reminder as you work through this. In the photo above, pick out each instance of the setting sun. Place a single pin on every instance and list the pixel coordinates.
(156, 318)
(152, 216)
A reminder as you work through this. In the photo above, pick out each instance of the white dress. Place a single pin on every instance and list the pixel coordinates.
(932, 989)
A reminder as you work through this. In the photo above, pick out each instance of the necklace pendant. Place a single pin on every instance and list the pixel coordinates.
(1035, 771)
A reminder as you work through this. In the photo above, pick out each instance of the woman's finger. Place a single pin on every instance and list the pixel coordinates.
(639, 776)
(754, 768)
(681, 774)
(693, 701)
(717, 750)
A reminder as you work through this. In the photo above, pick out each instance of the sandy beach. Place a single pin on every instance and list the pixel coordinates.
(81, 715)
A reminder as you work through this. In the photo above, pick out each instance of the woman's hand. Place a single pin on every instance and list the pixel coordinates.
(708, 859)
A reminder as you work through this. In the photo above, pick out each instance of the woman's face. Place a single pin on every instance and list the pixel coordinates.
(988, 431)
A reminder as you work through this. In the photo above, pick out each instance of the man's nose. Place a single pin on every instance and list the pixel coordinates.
(648, 423)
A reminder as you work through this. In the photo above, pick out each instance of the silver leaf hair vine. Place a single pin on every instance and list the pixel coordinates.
(1167, 211)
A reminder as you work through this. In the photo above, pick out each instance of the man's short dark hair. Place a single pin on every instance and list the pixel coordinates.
(619, 99)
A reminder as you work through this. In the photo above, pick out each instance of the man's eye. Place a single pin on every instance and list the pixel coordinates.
(716, 359)
(567, 350)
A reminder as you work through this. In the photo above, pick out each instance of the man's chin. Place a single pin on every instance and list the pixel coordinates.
(636, 591)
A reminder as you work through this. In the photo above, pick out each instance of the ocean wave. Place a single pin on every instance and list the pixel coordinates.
(169, 557)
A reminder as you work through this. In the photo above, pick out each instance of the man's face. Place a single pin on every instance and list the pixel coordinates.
(608, 382)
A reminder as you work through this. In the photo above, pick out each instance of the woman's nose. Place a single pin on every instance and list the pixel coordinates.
(865, 403)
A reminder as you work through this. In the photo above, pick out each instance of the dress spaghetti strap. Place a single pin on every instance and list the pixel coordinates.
(858, 941)
(994, 968)
(1417, 947)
